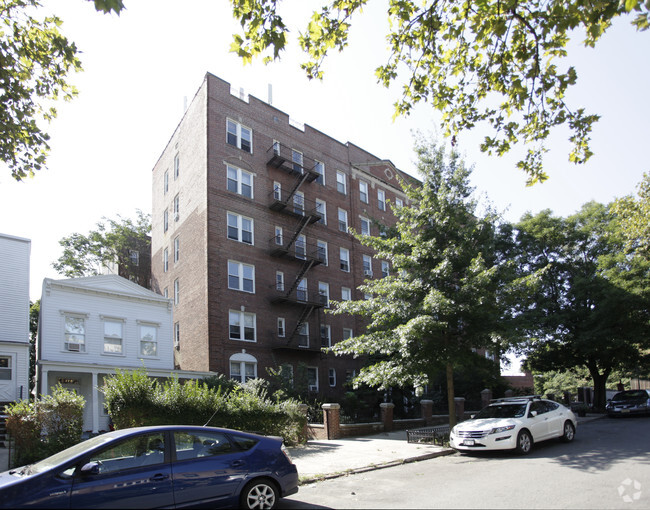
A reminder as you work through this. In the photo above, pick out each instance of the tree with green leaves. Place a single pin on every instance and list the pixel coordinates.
(124, 243)
(634, 217)
(446, 291)
(490, 61)
(591, 307)
(36, 61)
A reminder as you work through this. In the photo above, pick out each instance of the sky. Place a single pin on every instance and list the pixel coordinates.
(140, 69)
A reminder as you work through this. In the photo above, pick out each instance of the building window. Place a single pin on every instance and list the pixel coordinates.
(165, 260)
(346, 294)
(281, 326)
(385, 269)
(365, 226)
(177, 207)
(134, 257)
(319, 168)
(321, 210)
(5, 368)
(367, 265)
(242, 326)
(279, 281)
(177, 335)
(399, 202)
(277, 191)
(299, 203)
(324, 293)
(243, 367)
(312, 378)
(165, 292)
(276, 147)
(331, 377)
(347, 333)
(296, 157)
(301, 247)
(148, 342)
(177, 291)
(301, 290)
(75, 334)
(303, 335)
(344, 256)
(363, 191)
(278, 236)
(239, 136)
(241, 277)
(381, 200)
(177, 166)
(166, 182)
(321, 250)
(177, 249)
(165, 220)
(343, 220)
(239, 181)
(340, 182)
(240, 228)
(113, 337)
(325, 335)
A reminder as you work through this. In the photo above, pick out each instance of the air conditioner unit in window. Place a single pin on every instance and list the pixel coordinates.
(176, 217)
(367, 272)
(74, 347)
(313, 387)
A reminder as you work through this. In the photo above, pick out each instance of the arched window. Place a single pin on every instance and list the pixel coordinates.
(243, 367)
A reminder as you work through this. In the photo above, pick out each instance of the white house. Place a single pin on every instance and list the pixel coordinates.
(14, 318)
(90, 327)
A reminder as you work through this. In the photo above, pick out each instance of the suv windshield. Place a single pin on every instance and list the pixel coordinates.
(502, 411)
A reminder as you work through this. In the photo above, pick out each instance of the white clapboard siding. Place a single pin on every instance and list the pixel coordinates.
(14, 285)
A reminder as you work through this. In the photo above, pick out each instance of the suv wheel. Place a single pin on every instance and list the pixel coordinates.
(524, 442)
(569, 432)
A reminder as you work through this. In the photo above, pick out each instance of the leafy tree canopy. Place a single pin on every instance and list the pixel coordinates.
(36, 62)
(634, 216)
(494, 61)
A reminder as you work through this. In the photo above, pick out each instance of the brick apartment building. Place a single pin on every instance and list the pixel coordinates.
(250, 237)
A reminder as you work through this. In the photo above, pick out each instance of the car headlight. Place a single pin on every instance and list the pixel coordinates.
(496, 430)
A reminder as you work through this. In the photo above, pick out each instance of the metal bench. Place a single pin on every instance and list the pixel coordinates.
(436, 435)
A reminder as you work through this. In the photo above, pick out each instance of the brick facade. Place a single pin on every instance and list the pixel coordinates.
(200, 192)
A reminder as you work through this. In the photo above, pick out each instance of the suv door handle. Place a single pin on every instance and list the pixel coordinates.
(159, 477)
(237, 463)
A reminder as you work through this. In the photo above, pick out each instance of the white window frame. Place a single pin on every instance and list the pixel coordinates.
(8, 369)
(344, 258)
(78, 337)
(399, 202)
(119, 338)
(241, 324)
(301, 247)
(165, 220)
(177, 249)
(237, 270)
(240, 228)
(166, 182)
(142, 326)
(303, 333)
(321, 247)
(297, 159)
(238, 136)
(381, 199)
(319, 168)
(177, 165)
(326, 339)
(385, 269)
(240, 187)
(282, 327)
(324, 291)
(341, 182)
(346, 294)
(177, 291)
(279, 237)
(302, 293)
(321, 209)
(165, 260)
(177, 207)
(348, 333)
(279, 281)
(331, 377)
(312, 387)
(177, 335)
(367, 265)
(242, 361)
(363, 191)
(299, 203)
(277, 191)
(343, 220)
(365, 226)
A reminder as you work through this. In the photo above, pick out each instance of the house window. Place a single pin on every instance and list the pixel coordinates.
(239, 181)
(277, 191)
(177, 207)
(239, 136)
(177, 291)
(321, 210)
(363, 191)
(279, 281)
(278, 236)
(165, 220)
(240, 228)
(166, 182)
(381, 200)
(148, 341)
(324, 293)
(303, 335)
(340, 182)
(367, 265)
(319, 168)
(343, 220)
(177, 249)
(346, 294)
(325, 335)
(276, 147)
(113, 337)
(75, 334)
(331, 377)
(177, 166)
(301, 247)
(301, 290)
(243, 367)
(385, 269)
(312, 378)
(177, 335)
(365, 226)
(347, 333)
(299, 203)
(321, 251)
(344, 256)
(242, 326)
(296, 157)
(241, 276)
(165, 260)
(399, 202)
(134, 256)
(5, 368)
(281, 326)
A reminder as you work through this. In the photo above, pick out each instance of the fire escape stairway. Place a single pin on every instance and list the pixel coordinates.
(306, 266)
(304, 317)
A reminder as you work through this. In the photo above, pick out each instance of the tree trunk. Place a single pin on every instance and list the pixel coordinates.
(600, 388)
(450, 395)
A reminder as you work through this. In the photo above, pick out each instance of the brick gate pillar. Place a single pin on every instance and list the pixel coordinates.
(332, 420)
(426, 407)
(387, 415)
(305, 428)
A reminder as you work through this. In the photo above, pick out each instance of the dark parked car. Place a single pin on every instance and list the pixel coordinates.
(157, 467)
(629, 402)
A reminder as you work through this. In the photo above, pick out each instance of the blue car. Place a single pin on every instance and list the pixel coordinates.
(157, 467)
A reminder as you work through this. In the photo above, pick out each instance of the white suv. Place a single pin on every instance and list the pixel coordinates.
(514, 423)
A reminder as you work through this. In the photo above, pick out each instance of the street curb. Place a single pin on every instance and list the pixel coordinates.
(374, 467)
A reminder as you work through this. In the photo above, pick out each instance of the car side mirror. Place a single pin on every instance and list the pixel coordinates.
(471, 416)
(92, 468)
(533, 414)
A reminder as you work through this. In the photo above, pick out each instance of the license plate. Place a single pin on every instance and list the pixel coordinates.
(468, 442)
(625, 410)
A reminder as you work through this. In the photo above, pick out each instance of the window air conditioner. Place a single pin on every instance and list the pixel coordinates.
(74, 347)
(313, 387)
(367, 272)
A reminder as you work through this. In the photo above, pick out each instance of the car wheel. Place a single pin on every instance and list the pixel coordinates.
(524, 442)
(259, 493)
(569, 432)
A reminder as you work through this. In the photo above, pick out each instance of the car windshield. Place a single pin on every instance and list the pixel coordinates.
(65, 455)
(630, 395)
(502, 411)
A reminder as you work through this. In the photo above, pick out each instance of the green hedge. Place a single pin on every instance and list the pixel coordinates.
(133, 399)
